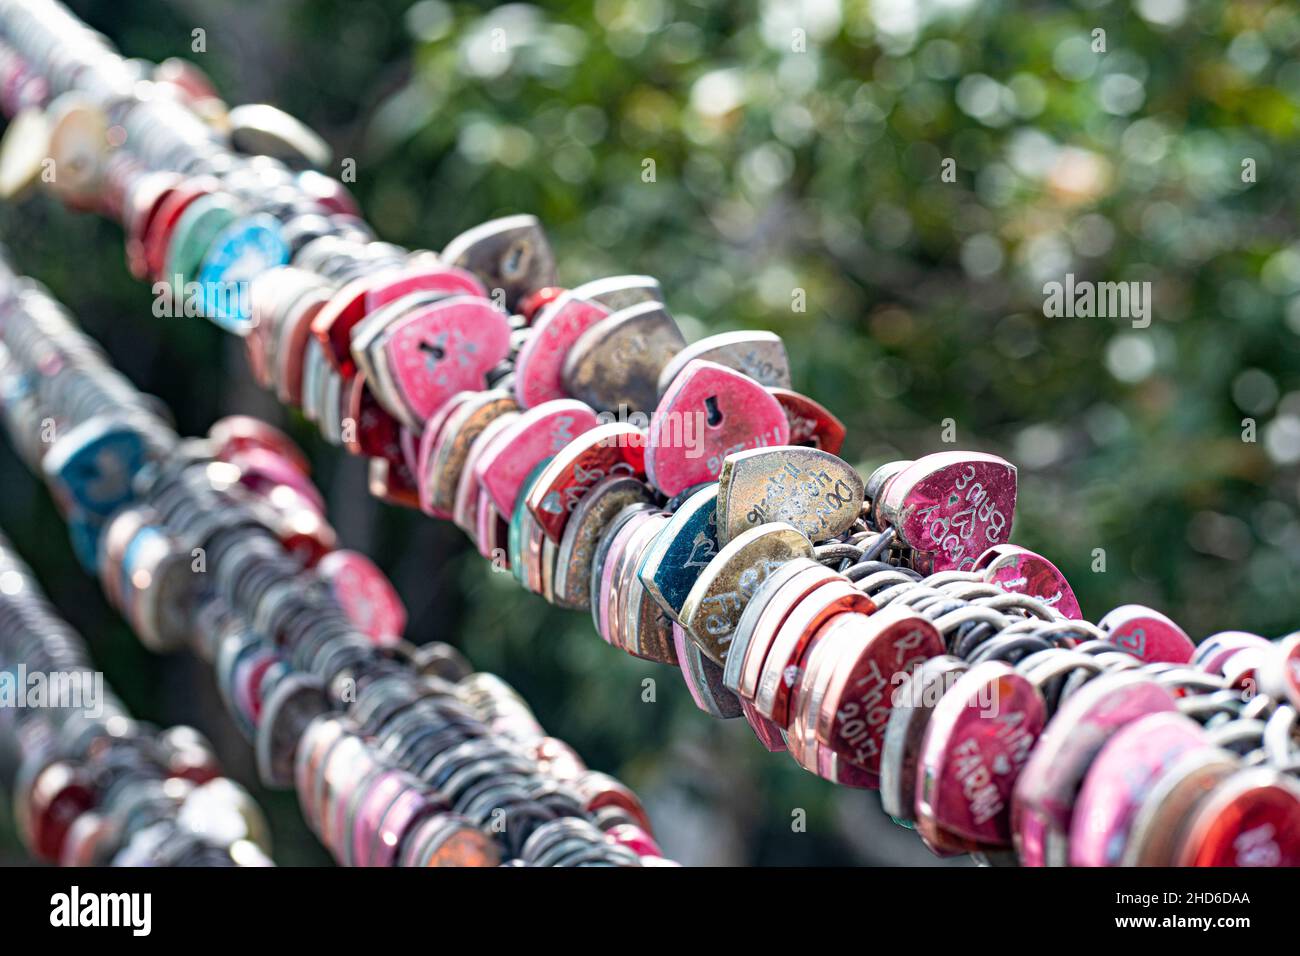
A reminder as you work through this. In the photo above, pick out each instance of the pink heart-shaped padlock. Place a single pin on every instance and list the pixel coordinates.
(1043, 802)
(535, 435)
(441, 349)
(1147, 634)
(979, 737)
(708, 412)
(951, 507)
(1021, 571)
(365, 594)
(539, 367)
(1125, 770)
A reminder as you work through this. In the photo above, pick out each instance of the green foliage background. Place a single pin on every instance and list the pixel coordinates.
(797, 147)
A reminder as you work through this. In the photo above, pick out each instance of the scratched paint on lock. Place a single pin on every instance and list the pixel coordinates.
(538, 433)
(952, 506)
(615, 364)
(449, 448)
(540, 364)
(443, 349)
(814, 491)
(979, 738)
(468, 486)
(1147, 634)
(673, 563)
(615, 448)
(715, 602)
(582, 533)
(511, 254)
(708, 413)
(1021, 571)
(1120, 779)
(856, 709)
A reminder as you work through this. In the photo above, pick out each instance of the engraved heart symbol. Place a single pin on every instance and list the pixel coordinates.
(1148, 634)
(1134, 641)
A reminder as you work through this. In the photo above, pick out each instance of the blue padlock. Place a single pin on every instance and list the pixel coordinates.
(682, 550)
(241, 252)
(92, 467)
(84, 530)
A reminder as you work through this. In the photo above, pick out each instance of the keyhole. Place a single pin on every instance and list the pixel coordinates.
(515, 261)
(713, 414)
(434, 350)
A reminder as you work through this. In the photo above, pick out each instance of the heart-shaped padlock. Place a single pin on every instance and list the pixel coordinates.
(707, 413)
(1022, 571)
(950, 507)
(540, 363)
(536, 434)
(813, 490)
(511, 254)
(978, 739)
(615, 448)
(760, 355)
(615, 364)
(1147, 634)
(437, 350)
